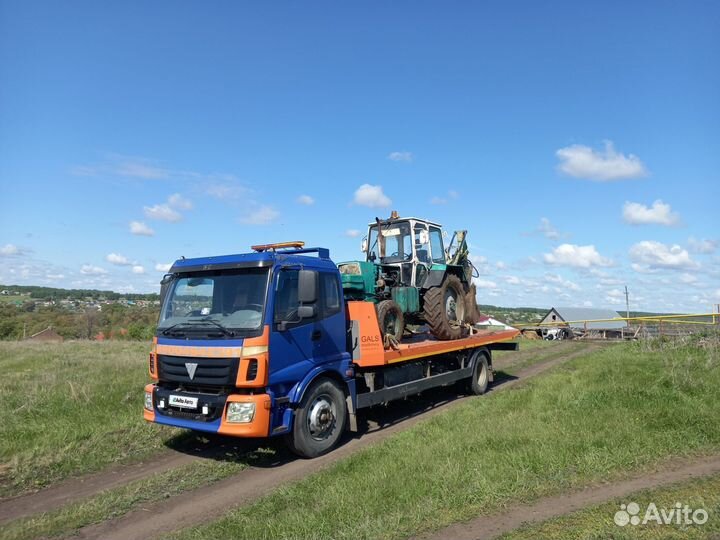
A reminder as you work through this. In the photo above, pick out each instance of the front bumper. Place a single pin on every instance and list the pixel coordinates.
(216, 419)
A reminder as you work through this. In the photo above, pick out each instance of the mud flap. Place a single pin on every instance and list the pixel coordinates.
(352, 418)
(472, 314)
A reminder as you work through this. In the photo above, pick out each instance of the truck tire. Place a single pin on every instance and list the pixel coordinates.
(391, 319)
(319, 420)
(444, 309)
(480, 379)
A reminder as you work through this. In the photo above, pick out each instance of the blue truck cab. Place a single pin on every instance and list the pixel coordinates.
(224, 318)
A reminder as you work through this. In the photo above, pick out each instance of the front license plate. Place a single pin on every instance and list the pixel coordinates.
(185, 402)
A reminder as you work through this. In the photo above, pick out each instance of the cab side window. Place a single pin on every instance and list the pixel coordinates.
(330, 291)
(286, 299)
(436, 245)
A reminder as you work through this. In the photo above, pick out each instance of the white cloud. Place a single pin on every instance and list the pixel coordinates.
(9, 250)
(702, 245)
(659, 213)
(55, 276)
(260, 216)
(582, 161)
(140, 168)
(117, 259)
(451, 194)
(512, 280)
(649, 255)
(163, 267)
(564, 283)
(162, 212)
(125, 166)
(307, 200)
(484, 283)
(500, 265)
(400, 156)
(352, 233)
(576, 256)
(688, 279)
(371, 196)
(138, 269)
(225, 190)
(616, 293)
(90, 270)
(141, 229)
(546, 229)
(587, 303)
(178, 201)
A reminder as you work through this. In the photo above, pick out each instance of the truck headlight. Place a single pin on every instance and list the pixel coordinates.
(240, 413)
(148, 401)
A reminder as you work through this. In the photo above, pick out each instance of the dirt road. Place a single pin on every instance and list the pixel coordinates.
(494, 525)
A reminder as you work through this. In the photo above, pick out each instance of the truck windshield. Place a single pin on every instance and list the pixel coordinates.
(216, 303)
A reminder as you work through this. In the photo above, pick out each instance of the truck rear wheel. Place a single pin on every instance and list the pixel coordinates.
(319, 420)
(390, 319)
(444, 309)
(480, 379)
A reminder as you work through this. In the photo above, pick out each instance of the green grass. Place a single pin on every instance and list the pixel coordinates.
(596, 523)
(114, 503)
(13, 298)
(72, 408)
(533, 352)
(620, 410)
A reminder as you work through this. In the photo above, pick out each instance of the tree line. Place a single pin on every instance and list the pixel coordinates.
(115, 321)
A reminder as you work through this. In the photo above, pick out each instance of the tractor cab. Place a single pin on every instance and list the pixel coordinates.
(405, 248)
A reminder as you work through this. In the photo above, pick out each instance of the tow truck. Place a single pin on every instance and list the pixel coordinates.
(265, 344)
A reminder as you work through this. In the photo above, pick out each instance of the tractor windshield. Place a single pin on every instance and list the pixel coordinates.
(393, 244)
(215, 303)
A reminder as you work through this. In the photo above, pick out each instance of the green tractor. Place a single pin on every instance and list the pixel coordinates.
(413, 278)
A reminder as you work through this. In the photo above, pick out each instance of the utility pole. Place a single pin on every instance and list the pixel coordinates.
(627, 303)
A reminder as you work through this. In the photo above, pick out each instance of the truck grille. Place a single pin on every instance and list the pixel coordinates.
(209, 371)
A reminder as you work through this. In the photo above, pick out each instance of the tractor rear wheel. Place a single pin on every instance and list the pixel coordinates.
(444, 309)
(391, 319)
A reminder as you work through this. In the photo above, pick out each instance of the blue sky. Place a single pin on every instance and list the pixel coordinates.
(577, 142)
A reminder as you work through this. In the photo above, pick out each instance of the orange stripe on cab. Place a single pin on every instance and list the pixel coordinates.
(253, 370)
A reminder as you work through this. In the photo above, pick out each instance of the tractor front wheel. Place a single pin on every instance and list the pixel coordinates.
(444, 308)
(391, 319)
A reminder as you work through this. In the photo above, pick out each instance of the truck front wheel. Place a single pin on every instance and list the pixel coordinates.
(319, 420)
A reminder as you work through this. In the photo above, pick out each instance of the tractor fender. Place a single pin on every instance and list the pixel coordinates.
(434, 278)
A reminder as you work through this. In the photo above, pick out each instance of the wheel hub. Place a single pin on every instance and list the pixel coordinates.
(321, 418)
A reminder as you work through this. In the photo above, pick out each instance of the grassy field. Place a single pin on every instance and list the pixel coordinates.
(597, 523)
(596, 418)
(72, 408)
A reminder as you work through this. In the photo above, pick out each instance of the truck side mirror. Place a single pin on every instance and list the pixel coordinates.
(307, 286)
(306, 312)
(364, 245)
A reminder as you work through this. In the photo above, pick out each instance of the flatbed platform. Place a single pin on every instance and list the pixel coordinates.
(369, 349)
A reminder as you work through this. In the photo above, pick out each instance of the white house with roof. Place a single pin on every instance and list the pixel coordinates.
(582, 319)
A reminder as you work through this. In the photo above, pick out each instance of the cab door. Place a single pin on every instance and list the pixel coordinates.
(297, 344)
